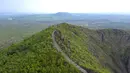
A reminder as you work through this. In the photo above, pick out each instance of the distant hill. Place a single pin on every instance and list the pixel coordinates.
(63, 14)
(59, 48)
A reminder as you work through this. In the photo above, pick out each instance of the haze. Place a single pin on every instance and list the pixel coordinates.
(74, 6)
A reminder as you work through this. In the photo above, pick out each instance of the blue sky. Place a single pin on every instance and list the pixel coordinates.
(74, 6)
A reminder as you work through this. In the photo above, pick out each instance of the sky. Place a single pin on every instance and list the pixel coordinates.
(73, 6)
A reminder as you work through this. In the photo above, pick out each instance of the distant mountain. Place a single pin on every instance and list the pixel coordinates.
(66, 48)
(63, 14)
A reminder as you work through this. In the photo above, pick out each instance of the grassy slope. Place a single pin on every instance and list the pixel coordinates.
(34, 55)
(78, 49)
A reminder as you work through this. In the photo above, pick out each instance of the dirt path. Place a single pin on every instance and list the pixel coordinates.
(65, 56)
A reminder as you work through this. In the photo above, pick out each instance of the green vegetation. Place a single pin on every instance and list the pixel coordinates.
(97, 51)
(34, 55)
